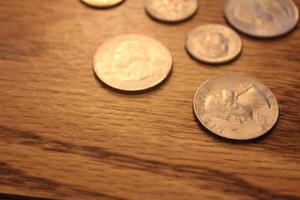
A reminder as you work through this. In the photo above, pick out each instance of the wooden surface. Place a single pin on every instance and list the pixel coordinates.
(64, 135)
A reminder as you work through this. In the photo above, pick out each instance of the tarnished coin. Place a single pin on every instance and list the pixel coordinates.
(236, 106)
(262, 18)
(171, 10)
(132, 62)
(214, 43)
(102, 3)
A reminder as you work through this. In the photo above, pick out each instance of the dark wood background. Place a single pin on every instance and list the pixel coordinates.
(64, 135)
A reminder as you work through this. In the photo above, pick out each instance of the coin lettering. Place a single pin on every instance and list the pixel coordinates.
(260, 120)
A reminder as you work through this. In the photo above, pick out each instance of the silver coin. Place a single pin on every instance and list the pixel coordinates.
(102, 3)
(262, 18)
(132, 62)
(171, 10)
(214, 43)
(236, 106)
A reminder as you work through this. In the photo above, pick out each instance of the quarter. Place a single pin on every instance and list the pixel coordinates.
(132, 62)
(236, 106)
(262, 18)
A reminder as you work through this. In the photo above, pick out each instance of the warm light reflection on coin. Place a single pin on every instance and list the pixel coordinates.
(236, 106)
(102, 3)
(132, 62)
(214, 43)
(171, 10)
(262, 18)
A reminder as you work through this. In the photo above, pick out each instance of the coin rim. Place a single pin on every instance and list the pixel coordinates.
(142, 88)
(211, 61)
(263, 36)
(224, 136)
(86, 2)
(156, 17)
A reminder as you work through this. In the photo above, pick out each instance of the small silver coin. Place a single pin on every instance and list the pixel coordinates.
(214, 44)
(262, 18)
(102, 3)
(236, 106)
(171, 10)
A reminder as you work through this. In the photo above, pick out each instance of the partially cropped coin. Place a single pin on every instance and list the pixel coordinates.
(171, 10)
(132, 62)
(262, 18)
(213, 43)
(236, 106)
(102, 3)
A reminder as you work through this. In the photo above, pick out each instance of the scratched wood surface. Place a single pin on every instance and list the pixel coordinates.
(64, 135)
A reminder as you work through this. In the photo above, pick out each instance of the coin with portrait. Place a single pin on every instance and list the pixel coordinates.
(132, 62)
(171, 10)
(213, 43)
(262, 18)
(236, 106)
(102, 3)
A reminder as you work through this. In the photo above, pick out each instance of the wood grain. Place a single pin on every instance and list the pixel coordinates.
(64, 135)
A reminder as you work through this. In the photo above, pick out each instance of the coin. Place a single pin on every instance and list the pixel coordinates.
(102, 3)
(132, 62)
(236, 106)
(171, 10)
(262, 18)
(213, 43)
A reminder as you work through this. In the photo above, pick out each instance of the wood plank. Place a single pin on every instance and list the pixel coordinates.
(64, 135)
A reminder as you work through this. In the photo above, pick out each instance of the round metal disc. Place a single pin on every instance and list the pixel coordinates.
(132, 62)
(171, 10)
(262, 18)
(236, 106)
(102, 3)
(214, 44)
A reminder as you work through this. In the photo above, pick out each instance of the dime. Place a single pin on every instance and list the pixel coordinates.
(236, 106)
(171, 10)
(102, 3)
(213, 43)
(262, 18)
(132, 62)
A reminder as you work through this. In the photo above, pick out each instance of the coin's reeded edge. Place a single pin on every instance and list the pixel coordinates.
(136, 90)
(102, 7)
(253, 35)
(222, 136)
(211, 62)
(175, 21)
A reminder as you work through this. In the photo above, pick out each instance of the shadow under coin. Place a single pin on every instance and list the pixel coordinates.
(169, 23)
(263, 38)
(94, 7)
(255, 140)
(150, 89)
(209, 65)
